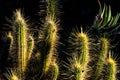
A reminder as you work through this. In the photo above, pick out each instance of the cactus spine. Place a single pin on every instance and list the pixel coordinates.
(14, 77)
(10, 75)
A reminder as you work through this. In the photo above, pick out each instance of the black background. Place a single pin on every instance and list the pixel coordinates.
(74, 12)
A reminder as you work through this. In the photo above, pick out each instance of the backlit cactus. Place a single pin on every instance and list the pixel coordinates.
(111, 67)
(49, 36)
(104, 43)
(54, 70)
(83, 55)
(24, 43)
(38, 57)
(23, 46)
(78, 71)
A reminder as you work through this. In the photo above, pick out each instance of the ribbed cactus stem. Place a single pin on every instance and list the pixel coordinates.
(78, 71)
(83, 57)
(51, 8)
(102, 56)
(55, 71)
(21, 29)
(30, 47)
(51, 40)
(111, 67)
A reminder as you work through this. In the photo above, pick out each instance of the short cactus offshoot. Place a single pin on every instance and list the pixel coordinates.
(111, 67)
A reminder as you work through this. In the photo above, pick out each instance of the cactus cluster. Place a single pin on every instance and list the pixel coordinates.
(88, 57)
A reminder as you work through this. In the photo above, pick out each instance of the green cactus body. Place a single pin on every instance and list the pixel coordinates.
(78, 71)
(51, 40)
(50, 36)
(24, 47)
(111, 67)
(55, 71)
(83, 57)
(30, 47)
(51, 8)
(102, 57)
(22, 41)
(80, 43)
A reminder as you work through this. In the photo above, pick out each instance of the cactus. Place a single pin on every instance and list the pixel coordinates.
(83, 55)
(21, 29)
(49, 35)
(111, 67)
(24, 48)
(79, 44)
(51, 40)
(78, 71)
(102, 56)
(11, 75)
(45, 64)
(55, 71)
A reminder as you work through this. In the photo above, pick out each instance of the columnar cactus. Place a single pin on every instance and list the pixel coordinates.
(49, 36)
(111, 68)
(79, 42)
(24, 47)
(51, 40)
(83, 55)
(78, 71)
(101, 57)
(54, 70)
(24, 43)
(78, 64)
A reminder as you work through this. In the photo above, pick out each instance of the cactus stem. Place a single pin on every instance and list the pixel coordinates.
(111, 63)
(21, 27)
(84, 53)
(55, 71)
(78, 71)
(102, 56)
